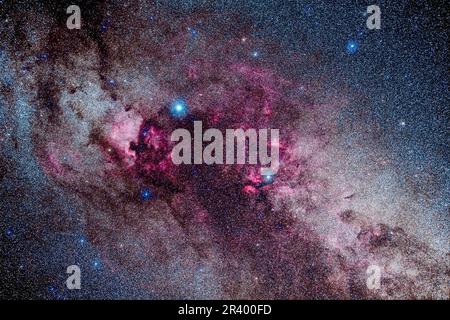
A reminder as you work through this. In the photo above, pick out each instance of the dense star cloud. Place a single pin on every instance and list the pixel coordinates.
(88, 177)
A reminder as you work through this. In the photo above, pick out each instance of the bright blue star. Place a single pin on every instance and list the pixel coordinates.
(9, 232)
(179, 108)
(268, 178)
(255, 54)
(82, 240)
(146, 194)
(97, 264)
(193, 32)
(352, 47)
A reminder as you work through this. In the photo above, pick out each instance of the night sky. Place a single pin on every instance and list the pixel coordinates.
(85, 170)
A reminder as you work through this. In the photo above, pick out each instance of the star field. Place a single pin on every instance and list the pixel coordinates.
(87, 177)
